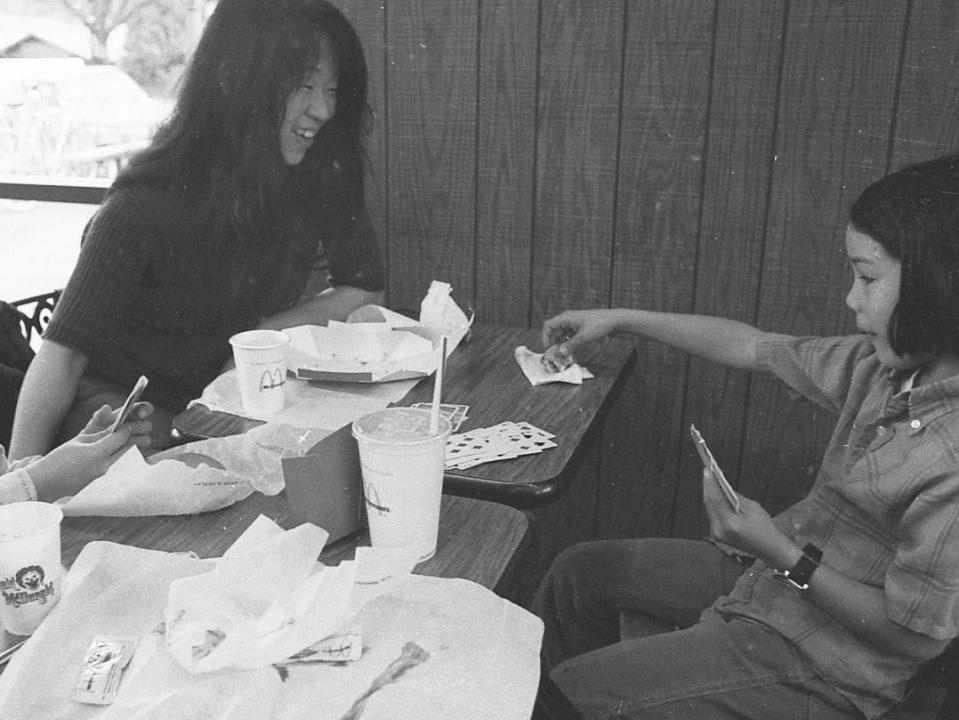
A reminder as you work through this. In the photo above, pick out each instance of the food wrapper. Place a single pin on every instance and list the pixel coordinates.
(532, 366)
(98, 681)
(132, 486)
(264, 601)
(377, 345)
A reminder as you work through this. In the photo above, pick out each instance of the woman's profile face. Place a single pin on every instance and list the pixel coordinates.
(311, 105)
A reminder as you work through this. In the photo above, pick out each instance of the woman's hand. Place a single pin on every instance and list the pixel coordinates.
(567, 333)
(751, 530)
(69, 468)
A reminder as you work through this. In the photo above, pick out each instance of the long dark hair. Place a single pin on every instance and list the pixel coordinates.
(914, 215)
(221, 142)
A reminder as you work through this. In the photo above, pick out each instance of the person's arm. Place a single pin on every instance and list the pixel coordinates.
(69, 468)
(858, 607)
(724, 341)
(47, 393)
(334, 303)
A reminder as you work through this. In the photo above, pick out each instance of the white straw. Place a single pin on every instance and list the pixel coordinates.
(438, 389)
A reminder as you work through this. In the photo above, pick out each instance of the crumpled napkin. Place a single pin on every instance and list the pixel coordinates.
(268, 598)
(532, 366)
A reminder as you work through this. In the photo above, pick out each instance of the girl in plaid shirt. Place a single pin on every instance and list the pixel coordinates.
(828, 609)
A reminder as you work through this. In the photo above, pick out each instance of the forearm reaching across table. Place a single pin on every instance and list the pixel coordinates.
(728, 342)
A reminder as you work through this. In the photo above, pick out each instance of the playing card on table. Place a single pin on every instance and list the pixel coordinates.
(503, 441)
(456, 414)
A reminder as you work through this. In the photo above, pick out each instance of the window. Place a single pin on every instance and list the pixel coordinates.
(77, 100)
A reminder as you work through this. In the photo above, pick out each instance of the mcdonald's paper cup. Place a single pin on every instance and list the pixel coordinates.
(260, 357)
(402, 466)
(30, 569)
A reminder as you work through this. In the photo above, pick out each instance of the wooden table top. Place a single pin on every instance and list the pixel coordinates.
(483, 374)
(476, 541)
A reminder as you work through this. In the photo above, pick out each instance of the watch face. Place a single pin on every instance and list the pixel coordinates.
(798, 577)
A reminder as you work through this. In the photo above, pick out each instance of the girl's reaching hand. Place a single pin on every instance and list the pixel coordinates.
(566, 334)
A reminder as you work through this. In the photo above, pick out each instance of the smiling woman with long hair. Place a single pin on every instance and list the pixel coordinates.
(213, 229)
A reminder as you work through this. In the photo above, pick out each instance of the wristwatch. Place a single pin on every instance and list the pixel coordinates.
(799, 575)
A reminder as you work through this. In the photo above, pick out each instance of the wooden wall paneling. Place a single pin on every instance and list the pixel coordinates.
(505, 160)
(668, 54)
(927, 122)
(738, 167)
(577, 132)
(369, 19)
(839, 79)
(431, 146)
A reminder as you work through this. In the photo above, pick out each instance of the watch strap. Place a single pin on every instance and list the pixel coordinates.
(800, 574)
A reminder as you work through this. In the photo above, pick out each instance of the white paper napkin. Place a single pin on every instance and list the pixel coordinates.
(532, 366)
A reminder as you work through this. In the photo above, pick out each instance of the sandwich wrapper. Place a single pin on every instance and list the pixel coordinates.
(209, 633)
(192, 478)
(531, 364)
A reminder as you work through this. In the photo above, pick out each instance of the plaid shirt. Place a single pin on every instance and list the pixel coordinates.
(884, 508)
(15, 482)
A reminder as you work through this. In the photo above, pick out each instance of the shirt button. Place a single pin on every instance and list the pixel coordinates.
(915, 424)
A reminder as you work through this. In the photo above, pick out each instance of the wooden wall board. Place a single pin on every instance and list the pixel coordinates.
(576, 163)
(740, 139)
(505, 164)
(431, 146)
(928, 103)
(668, 56)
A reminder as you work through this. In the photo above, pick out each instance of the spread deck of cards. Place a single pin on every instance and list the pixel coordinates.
(503, 441)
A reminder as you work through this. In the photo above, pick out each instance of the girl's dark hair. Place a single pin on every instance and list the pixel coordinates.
(221, 142)
(914, 215)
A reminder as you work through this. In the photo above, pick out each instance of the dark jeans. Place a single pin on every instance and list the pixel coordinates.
(624, 639)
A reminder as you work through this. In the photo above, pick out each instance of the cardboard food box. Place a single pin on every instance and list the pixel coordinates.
(375, 345)
(325, 486)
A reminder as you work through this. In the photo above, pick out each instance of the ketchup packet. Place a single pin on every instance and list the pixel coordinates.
(103, 664)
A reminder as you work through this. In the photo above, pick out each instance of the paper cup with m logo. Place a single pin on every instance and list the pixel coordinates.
(30, 570)
(260, 357)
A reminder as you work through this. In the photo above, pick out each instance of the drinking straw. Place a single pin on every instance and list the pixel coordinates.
(438, 389)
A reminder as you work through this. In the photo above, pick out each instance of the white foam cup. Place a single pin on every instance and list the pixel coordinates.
(30, 570)
(260, 357)
(402, 464)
